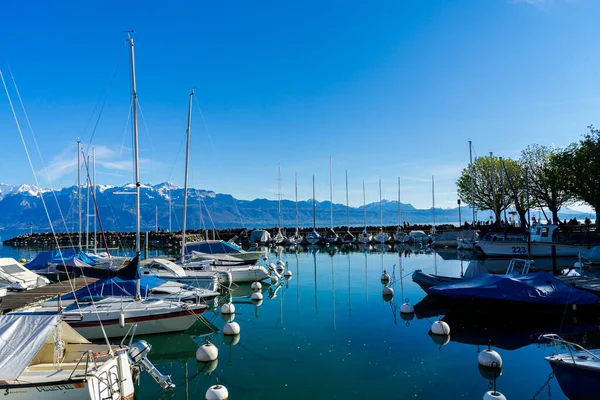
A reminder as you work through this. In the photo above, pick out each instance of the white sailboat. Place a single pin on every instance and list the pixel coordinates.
(364, 237)
(279, 239)
(400, 236)
(297, 238)
(381, 237)
(313, 237)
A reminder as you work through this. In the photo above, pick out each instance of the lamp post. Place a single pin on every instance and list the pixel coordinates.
(459, 219)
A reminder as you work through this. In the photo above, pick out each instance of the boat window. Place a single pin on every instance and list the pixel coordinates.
(11, 269)
(545, 232)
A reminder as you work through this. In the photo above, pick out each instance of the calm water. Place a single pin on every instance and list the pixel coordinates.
(328, 333)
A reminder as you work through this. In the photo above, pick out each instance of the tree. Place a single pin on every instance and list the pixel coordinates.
(546, 178)
(517, 180)
(487, 186)
(580, 163)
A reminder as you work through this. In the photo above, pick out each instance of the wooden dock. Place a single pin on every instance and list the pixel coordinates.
(588, 283)
(15, 301)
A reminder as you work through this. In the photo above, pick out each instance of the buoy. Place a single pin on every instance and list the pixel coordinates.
(22, 261)
(493, 395)
(406, 308)
(274, 280)
(440, 328)
(231, 328)
(256, 286)
(490, 373)
(440, 340)
(387, 297)
(287, 274)
(228, 308)
(489, 358)
(407, 316)
(231, 340)
(207, 352)
(256, 296)
(227, 317)
(388, 291)
(385, 277)
(208, 367)
(217, 392)
(257, 303)
(122, 319)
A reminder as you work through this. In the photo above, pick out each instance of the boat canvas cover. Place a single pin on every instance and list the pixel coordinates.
(12, 271)
(211, 247)
(259, 235)
(58, 257)
(23, 335)
(539, 287)
(115, 287)
(592, 255)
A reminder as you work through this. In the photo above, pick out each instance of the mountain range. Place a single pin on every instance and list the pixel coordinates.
(22, 209)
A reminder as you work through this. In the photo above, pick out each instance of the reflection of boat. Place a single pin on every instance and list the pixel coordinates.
(451, 238)
(537, 291)
(577, 371)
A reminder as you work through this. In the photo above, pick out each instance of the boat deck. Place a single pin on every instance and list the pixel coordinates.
(589, 283)
(17, 300)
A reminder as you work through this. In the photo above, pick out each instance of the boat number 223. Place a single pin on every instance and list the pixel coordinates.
(519, 250)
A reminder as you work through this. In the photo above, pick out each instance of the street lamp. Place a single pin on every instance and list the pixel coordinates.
(459, 219)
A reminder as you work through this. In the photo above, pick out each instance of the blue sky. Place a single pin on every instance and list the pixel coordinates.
(387, 88)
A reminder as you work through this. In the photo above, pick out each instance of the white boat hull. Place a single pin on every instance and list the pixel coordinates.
(512, 249)
(252, 274)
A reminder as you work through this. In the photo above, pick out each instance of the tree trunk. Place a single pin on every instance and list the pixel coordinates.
(523, 217)
(555, 216)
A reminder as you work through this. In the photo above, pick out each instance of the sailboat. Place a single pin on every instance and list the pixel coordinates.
(331, 237)
(364, 237)
(313, 237)
(100, 315)
(381, 237)
(279, 239)
(297, 238)
(348, 237)
(400, 236)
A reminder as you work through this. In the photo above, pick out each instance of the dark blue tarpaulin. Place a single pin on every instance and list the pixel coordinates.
(539, 287)
(56, 257)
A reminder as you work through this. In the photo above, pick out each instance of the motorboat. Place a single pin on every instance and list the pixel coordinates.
(14, 277)
(222, 247)
(577, 370)
(201, 278)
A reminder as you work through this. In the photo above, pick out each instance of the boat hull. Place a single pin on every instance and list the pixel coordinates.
(512, 249)
(576, 383)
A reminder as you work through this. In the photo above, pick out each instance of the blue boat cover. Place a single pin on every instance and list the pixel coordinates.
(539, 287)
(211, 247)
(45, 258)
(115, 287)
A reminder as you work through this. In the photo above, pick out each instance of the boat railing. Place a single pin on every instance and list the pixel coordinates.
(519, 265)
(571, 347)
(86, 354)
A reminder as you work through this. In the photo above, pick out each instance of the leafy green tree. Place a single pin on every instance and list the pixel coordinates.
(547, 178)
(580, 162)
(486, 177)
(517, 180)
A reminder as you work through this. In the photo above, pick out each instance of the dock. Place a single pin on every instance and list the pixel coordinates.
(17, 300)
(588, 283)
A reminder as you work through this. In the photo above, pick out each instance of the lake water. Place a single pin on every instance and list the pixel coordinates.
(327, 333)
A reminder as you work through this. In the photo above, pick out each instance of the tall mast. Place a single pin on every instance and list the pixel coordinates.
(296, 190)
(278, 195)
(347, 205)
(136, 163)
(433, 199)
(87, 207)
(399, 212)
(364, 207)
(330, 195)
(502, 183)
(492, 173)
(94, 195)
(380, 208)
(79, 192)
(472, 180)
(185, 181)
(314, 207)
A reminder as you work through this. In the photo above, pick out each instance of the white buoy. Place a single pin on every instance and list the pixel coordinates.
(256, 296)
(407, 316)
(217, 392)
(287, 274)
(440, 328)
(387, 291)
(489, 358)
(489, 373)
(228, 308)
(385, 277)
(257, 303)
(493, 395)
(231, 328)
(440, 340)
(207, 352)
(231, 340)
(406, 308)
(208, 367)
(274, 280)
(256, 286)
(227, 317)
(122, 319)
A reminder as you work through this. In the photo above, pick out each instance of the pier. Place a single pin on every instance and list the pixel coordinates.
(18, 300)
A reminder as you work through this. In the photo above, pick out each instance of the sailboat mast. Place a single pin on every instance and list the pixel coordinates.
(472, 180)
(185, 181)
(278, 195)
(364, 207)
(330, 195)
(296, 190)
(314, 207)
(399, 212)
(94, 196)
(433, 199)
(79, 192)
(136, 163)
(380, 208)
(347, 205)
(87, 207)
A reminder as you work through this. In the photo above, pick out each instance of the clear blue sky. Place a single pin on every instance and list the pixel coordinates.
(387, 88)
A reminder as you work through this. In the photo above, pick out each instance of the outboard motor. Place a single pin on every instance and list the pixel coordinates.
(138, 353)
